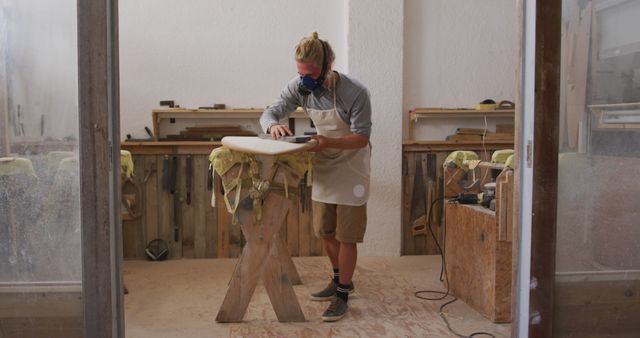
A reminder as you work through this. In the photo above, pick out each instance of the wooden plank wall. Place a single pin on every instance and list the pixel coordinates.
(205, 232)
(433, 178)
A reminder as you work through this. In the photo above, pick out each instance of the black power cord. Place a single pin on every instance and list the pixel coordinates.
(444, 278)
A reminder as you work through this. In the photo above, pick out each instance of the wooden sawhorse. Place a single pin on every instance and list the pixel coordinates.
(265, 255)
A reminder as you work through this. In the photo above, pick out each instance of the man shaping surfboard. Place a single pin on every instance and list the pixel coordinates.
(340, 108)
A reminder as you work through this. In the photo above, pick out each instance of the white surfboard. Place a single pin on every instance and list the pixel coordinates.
(260, 146)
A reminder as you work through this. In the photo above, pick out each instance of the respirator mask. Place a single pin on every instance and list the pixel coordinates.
(307, 84)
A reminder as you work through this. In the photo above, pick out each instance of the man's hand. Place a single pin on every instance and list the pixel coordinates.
(322, 143)
(279, 130)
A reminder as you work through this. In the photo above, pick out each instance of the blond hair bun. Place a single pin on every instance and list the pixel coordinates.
(310, 49)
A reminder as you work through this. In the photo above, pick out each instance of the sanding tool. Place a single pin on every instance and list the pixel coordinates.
(290, 139)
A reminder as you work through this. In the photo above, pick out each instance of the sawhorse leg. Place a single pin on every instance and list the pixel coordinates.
(262, 258)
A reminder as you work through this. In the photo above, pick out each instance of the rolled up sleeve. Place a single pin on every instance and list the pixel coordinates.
(280, 109)
(361, 114)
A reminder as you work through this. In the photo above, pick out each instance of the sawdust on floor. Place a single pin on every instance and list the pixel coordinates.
(180, 298)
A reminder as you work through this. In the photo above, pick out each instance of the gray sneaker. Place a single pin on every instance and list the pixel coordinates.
(329, 292)
(336, 310)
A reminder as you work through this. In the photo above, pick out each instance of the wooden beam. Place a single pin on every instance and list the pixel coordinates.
(545, 165)
(100, 167)
(517, 145)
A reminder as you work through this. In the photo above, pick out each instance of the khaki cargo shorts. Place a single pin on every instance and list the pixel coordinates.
(347, 223)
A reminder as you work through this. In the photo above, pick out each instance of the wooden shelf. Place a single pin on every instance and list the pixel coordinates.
(440, 112)
(421, 113)
(421, 146)
(218, 113)
(184, 113)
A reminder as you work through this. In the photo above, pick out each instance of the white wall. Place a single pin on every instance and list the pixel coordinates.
(457, 53)
(202, 52)
(375, 48)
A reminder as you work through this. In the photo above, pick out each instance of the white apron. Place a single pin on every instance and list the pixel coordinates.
(340, 176)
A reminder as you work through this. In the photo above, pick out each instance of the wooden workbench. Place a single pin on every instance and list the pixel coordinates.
(431, 155)
(168, 148)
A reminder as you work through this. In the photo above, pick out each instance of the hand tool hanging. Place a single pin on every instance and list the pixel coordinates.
(418, 199)
(173, 175)
(210, 178)
(165, 173)
(302, 191)
(131, 203)
(189, 178)
(173, 185)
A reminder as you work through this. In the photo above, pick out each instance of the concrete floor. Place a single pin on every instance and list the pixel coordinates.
(180, 298)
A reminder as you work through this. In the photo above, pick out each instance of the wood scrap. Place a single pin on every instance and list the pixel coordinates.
(419, 226)
(498, 137)
(418, 202)
(454, 181)
(457, 137)
(506, 128)
(470, 131)
(504, 205)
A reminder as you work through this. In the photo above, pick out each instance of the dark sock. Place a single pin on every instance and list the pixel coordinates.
(336, 276)
(343, 292)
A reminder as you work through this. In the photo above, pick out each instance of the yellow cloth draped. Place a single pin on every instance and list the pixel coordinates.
(126, 163)
(299, 164)
(222, 159)
(458, 158)
(509, 162)
(500, 156)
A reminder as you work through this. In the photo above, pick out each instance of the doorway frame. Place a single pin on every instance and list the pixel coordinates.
(99, 149)
(536, 181)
